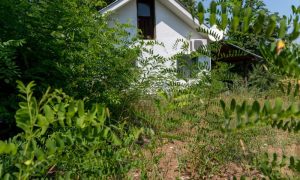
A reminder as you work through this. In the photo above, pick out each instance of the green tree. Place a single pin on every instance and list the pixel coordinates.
(69, 45)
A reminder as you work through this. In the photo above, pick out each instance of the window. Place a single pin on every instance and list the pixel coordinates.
(187, 67)
(146, 18)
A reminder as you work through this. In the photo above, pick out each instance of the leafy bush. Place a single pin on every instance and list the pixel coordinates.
(69, 45)
(261, 79)
(9, 73)
(60, 138)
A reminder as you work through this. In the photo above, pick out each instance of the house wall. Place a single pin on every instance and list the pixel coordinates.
(126, 15)
(169, 28)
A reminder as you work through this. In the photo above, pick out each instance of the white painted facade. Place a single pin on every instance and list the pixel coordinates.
(172, 23)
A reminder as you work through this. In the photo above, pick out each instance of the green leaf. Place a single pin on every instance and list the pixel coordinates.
(247, 15)
(279, 125)
(80, 108)
(278, 105)
(49, 114)
(8, 148)
(236, 18)
(1, 170)
(259, 23)
(59, 143)
(223, 105)
(42, 123)
(292, 161)
(7, 176)
(232, 105)
(283, 28)
(224, 16)
(61, 114)
(256, 107)
(105, 132)
(115, 139)
(80, 122)
(243, 107)
(51, 146)
(213, 11)
(289, 88)
(71, 113)
(271, 26)
(102, 113)
(297, 88)
(201, 12)
(296, 31)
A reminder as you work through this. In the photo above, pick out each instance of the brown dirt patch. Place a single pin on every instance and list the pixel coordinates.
(234, 170)
(168, 165)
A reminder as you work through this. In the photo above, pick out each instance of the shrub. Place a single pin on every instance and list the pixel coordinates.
(60, 138)
(69, 45)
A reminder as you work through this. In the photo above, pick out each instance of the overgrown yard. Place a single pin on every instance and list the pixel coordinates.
(190, 144)
(117, 111)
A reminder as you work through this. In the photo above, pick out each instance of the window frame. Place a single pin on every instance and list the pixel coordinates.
(151, 19)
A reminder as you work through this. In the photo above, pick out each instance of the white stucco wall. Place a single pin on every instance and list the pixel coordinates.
(169, 28)
(126, 15)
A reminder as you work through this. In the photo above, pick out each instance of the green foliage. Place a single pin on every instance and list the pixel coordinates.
(251, 24)
(259, 23)
(247, 16)
(285, 63)
(201, 12)
(262, 79)
(270, 166)
(61, 138)
(69, 41)
(235, 18)
(238, 116)
(283, 27)
(211, 149)
(224, 16)
(271, 26)
(296, 29)
(281, 61)
(9, 73)
(279, 115)
(213, 13)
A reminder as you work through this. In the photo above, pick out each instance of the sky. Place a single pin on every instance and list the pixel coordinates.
(281, 6)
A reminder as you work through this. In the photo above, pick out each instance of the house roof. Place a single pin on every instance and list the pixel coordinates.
(175, 6)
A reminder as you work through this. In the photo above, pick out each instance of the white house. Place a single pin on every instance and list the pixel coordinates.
(165, 21)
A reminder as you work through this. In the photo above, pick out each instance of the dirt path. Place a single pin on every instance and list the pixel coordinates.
(169, 163)
(168, 167)
(166, 160)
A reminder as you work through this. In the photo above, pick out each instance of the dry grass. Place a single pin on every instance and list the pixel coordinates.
(190, 145)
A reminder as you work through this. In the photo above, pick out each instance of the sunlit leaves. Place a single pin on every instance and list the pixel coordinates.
(61, 127)
(238, 116)
(296, 29)
(213, 13)
(224, 16)
(201, 12)
(271, 26)
(7, 148)
(246, 19)
(283, 27)
(236, 18)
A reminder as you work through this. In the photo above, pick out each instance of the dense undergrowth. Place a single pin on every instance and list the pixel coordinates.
(199, 122)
